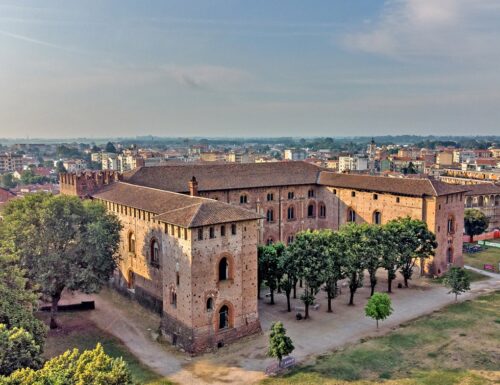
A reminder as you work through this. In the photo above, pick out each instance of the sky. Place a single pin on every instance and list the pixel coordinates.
(95, 68)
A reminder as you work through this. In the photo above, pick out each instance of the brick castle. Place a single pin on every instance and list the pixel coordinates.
(190, 232)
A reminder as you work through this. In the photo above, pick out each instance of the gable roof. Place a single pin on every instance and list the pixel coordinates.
(174, 208)
(226, 176)
(483, 189)
(402, 186)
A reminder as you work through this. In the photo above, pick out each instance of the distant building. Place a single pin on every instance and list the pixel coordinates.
(485, 197)
(10, 162)
(444, 158)
(353, 163)
(295, 154)
(212, 156)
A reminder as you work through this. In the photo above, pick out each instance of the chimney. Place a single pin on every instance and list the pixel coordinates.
(193, 187)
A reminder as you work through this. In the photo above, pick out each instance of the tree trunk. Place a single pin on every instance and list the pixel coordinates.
(272, 296)
(456, 297)
(53, 311)
(377, 324)
(351, 298)
(373, 283)
(389, 283)
(329, 303)
(406, 280)
(306, 315)
(295, 289)
(300, 283)
(289, 306)
(258, 289)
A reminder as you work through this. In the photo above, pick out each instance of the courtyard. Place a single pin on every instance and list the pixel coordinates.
(245, 361)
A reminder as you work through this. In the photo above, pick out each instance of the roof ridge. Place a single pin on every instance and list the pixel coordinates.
(181, 208)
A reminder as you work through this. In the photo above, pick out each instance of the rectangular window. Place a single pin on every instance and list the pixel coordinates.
(185, 234)
(291, 195)
(353, 193)
(223, 231)
(165, 228)
(397, 200)
(200, 234)
(212, 232)
(233, 229)
(375, 197)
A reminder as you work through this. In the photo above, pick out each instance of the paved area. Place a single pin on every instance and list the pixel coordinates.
(245, 361)
(490, 274)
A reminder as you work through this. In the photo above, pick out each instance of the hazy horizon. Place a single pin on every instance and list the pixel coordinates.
(121, 68)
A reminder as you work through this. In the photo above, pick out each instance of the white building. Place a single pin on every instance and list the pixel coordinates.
(353, 163)
(295, 154)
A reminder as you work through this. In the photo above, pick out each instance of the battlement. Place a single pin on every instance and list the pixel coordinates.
(85, 183)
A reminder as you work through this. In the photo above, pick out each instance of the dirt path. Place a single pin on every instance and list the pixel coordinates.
(245, 361)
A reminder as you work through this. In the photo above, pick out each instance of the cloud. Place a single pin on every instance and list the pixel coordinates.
(439, 28)
(30, 40)
(207, 77)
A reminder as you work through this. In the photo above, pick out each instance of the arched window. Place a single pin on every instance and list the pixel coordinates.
(270, 215)
(291, 213)
(155, 252)
(468, 202)
(449, 255)
(451, 225)
(131, 242)
(351, 215)
(223, 269)
(173, 298)
(480, 201)
(311, 212)
(322, 210)
(224, 317)
(270, 197)
(243, 199)
(269, 241)
(210, 304)
(290, 239)
(377, 218)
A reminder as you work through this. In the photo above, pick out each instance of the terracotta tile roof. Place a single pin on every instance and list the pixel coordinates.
(403, 186)
(174, 208)
(213, 177)
(483, 189)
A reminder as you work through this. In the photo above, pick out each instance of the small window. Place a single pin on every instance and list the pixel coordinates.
(310, 211)
(131, 242)
(210, 304)
(270, 215)
(334, 191)
(310, 193)
(377, 218)
(291, 195)
(185, 234)
(398, 200)
(322, 211)
(200, 234)
(233, 229)
(224, 317)
(178, 231)
(451, 225)
(173, 298)
(177, 279)
(223, 269)
(223, 231)
(155, 253)
(269, 241)
(243, 199)
(212, 232)
(353, 193)
(351, 215)
(290, 239)
(375, 197)
(291, 213)
(270, 197)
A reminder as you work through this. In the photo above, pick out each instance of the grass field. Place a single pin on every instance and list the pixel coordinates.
(457, 345)
(489, 256)
(79, 332)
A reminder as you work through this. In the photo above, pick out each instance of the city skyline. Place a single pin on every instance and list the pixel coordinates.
(123, 69)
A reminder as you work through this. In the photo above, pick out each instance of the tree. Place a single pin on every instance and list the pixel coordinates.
(63, 242)
(390, 258)
(18, 300)
(18, 349)
(414, 242)
(375, 247)
(60, 167)
(308, 252)
(269, 267)
(91, 367)
(280, 344)
(333, 264)
(475, 222)
(457, 280)
(378, 307)
(110, 147)
(289, 269)
(354, 248)
(7, 181)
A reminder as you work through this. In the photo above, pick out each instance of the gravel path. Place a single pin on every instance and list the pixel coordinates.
(245, 361)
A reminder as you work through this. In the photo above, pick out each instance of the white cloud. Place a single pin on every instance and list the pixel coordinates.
(440, 28)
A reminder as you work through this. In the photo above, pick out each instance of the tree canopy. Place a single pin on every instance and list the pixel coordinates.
(63, 242)
(378, 307)
(280, 345)
(475, 222)
(457, 280)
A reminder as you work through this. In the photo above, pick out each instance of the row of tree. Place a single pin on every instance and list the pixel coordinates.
(320, 259)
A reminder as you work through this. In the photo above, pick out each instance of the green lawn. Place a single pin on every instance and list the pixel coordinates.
(79, 332)
(489, 256)
(457, 345)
